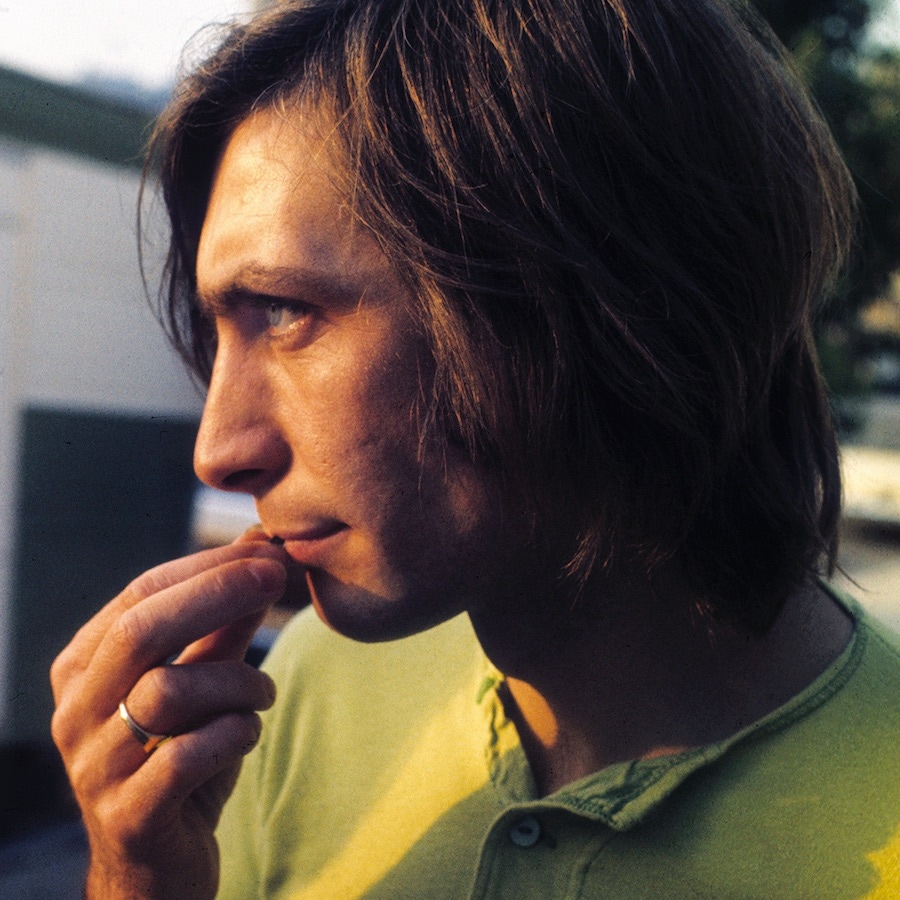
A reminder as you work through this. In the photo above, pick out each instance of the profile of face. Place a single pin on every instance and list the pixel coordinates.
(319, 372)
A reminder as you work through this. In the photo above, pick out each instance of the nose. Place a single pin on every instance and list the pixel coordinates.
(239, 446)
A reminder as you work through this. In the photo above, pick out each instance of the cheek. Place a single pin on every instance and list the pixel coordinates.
(381, 394)
(447, 527)
(353, 415)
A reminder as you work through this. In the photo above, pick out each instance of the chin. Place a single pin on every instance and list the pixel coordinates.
(366, 616)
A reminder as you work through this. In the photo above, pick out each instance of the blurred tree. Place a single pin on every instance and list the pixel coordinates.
(840, 23)
(857, 86)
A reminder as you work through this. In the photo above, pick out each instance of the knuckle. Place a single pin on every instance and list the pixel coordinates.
(152, 581)
(81, 771)
(133, 631)
(179, 758)
(61, 731)
(231, 578)
(60, 670)
(151, 697)
(218, 581)
(229, 584)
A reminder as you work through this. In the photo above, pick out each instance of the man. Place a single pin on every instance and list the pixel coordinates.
(504, 310)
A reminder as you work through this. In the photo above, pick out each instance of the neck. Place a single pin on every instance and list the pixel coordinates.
(641, 678)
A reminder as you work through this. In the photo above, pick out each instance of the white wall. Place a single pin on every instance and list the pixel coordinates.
(86, 336)
(75, 327)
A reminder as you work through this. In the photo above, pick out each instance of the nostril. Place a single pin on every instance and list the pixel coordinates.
(239, 481)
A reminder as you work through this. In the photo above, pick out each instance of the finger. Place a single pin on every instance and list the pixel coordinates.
(229, 642)
(297, 593)
(76, 656)
(179, 698)
(152, 798)
(170, 573)
(168, 701)
(187, 762)
(233, 640)
(148, 633)
(252, 534)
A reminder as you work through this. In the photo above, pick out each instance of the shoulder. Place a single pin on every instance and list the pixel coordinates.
(870, 681)
(844, 729)
(817, 785)
(802, 804)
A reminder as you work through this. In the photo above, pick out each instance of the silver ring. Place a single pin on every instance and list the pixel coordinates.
(147, 740)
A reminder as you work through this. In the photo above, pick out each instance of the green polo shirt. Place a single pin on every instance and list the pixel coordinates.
(392, 771)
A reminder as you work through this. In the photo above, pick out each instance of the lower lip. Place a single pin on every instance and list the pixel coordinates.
(309, 551)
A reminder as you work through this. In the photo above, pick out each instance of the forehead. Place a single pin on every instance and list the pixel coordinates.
(277, 205)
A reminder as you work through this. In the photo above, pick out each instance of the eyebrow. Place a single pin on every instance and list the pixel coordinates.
(257, 284)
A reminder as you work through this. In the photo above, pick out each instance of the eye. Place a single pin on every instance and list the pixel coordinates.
(283, 317)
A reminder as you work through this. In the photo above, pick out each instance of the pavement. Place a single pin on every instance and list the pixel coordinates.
(49, 862)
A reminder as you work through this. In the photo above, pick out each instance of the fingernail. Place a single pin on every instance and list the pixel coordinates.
(253, 533)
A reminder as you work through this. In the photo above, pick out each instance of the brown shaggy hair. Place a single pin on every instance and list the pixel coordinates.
(618, 217)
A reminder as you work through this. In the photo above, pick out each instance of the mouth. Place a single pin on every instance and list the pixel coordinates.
(308, 545)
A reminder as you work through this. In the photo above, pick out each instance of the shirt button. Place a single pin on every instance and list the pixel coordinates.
(526, 832)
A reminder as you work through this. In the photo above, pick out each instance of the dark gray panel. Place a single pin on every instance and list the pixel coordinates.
(101, 499)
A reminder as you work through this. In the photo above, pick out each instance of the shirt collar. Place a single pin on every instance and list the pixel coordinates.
(623, 795)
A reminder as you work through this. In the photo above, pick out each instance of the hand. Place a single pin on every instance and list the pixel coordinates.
(150, 818)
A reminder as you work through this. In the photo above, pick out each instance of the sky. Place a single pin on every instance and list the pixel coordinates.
(139, 40)
(142, 40)
(886, 25)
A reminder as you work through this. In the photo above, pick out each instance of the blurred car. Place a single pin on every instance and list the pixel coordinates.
(218, 517)
(871, 479)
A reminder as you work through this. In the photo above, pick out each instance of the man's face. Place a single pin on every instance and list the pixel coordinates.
(312, 408)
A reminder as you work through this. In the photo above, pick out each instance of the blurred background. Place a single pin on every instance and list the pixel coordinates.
(97, 417)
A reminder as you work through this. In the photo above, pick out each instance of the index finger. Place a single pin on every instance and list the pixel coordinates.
(150, 632)
(87, 639)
